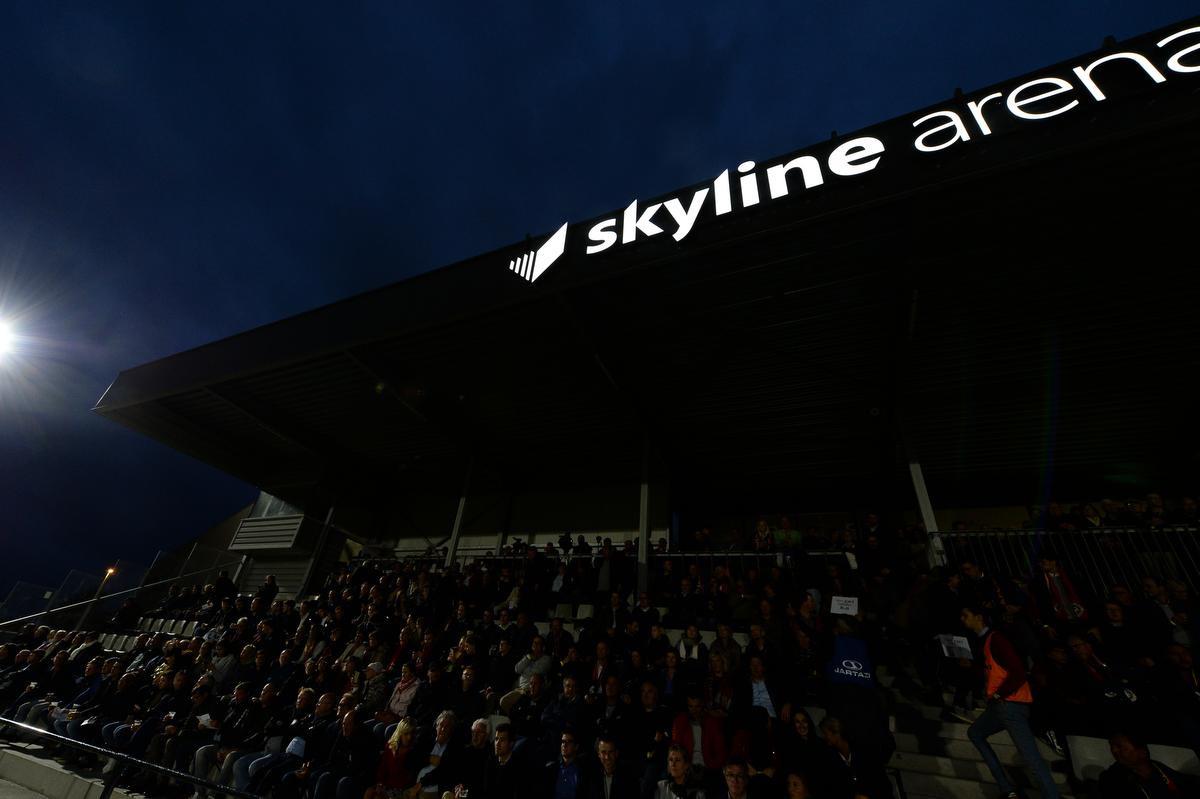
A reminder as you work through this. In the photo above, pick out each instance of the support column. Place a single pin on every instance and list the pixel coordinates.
(452, 547)
(937, 552)
(644, 522)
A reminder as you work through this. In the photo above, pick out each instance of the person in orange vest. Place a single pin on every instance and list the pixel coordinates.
(1009, 698)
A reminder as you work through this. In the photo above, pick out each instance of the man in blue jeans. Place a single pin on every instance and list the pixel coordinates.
(1009, 698)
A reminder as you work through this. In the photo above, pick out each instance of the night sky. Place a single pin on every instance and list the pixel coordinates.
(175, 173)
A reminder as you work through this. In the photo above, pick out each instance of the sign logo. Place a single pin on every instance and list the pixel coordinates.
(534, 263)
(1059, 90)
(852, 665)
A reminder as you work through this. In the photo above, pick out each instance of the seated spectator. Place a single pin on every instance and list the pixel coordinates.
(798, 786)
(563, 777)
(846, 776)
(439, 766)
(737, 779)
(727, 648)
(614, 778)
(475, 755)
(693, 653)
(505, 773)
(700, 735)
(1179, 689)
(680, 782)
(527, 711)
(568, 711)
(802, 747)
(1134, 775)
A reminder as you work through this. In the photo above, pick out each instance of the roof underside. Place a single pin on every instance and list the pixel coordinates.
(1025, 318)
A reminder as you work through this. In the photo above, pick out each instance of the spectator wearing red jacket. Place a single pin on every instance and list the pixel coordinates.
(698, 722)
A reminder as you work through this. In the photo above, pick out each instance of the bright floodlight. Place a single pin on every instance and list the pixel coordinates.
(6, 337)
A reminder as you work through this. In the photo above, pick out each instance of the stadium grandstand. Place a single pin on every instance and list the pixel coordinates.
(863, 471)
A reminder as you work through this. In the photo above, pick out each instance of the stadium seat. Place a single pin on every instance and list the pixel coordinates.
(122, 643)
(743, 640)
(495, 720)
(543, 627)
(662, 613)
(564, 610)
(1176, 757)
(158, 625)
(708, 636)
(189, 629)
(1089, 756)
(144, 624)
(106, 640)
(584, 612)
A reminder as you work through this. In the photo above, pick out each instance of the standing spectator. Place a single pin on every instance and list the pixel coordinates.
(1059, 605)
(268, 590)
(1009, 700)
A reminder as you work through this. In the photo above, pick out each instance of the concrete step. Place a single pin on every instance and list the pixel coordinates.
(48, 777)
(950, 730)
(1006, 752)
(962, 769)
(905, 710)
(934, 786)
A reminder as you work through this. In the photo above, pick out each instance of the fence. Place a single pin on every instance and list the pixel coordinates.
(1095, 558)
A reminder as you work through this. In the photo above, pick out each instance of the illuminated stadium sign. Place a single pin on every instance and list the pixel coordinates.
(1042, 98)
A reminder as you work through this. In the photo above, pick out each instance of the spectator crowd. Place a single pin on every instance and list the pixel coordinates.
(402, 679)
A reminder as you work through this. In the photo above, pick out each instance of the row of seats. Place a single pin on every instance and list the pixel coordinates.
(186, 628)
(177, 627)
(114, 642)
(706, 636)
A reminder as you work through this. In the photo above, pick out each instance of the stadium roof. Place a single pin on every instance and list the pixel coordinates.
(1010, 308)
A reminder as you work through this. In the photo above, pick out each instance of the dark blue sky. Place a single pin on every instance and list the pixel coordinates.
(175, 173)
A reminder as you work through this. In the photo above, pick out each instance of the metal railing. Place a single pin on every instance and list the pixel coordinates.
(111, 779)
(1097, 558)
(87, 603)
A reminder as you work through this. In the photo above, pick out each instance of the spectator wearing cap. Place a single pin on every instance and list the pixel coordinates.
(373, 690)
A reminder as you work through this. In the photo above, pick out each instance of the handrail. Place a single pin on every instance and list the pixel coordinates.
(1115, 528)
(48, 611)
(110, 781)
(898, 775)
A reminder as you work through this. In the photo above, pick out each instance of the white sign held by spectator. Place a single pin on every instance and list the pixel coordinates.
(955, 646)
(844, 605)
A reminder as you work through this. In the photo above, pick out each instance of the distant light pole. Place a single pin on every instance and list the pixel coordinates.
(109, 572)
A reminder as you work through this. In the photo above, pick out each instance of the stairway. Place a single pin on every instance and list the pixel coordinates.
(937, 761)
